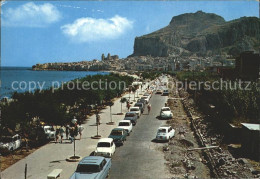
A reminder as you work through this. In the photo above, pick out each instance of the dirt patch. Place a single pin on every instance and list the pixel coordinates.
(10, 159)
(183, 163)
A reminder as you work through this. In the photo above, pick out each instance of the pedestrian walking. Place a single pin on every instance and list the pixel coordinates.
(67, 131)
(149, 107)
(57, 135)
(80, 130)
(72, 134)
(76, 130)
(62, 130)
(128, 105)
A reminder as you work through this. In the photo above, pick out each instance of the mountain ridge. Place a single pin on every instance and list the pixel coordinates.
(201, 33)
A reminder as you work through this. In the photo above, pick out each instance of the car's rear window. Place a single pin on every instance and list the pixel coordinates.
(116, 133)
(165, 109)
(87, 168)
(103, 144)
(162, 130)
(139, 104)
(129, 115)
(124, 124)
(134, 109)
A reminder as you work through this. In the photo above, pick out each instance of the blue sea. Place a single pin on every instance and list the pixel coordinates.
(20, 79)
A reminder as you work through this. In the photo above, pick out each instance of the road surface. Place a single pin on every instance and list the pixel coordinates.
(140, 157)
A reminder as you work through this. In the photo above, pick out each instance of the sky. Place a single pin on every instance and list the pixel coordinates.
(65, 31)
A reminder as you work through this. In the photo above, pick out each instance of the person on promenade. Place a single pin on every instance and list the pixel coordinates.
(67, 131)
(57, 135)
(149, 107)
(128, 105)
(76, 130)
(61, 133)
(72, 134)
(80, 130)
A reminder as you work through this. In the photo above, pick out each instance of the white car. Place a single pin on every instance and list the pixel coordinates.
(166, 113)
(105, 147)
(126, 125)
(148, 95)
(50, 132)
(136, 110)
(146, 98)
(165, 133)
(9, 143)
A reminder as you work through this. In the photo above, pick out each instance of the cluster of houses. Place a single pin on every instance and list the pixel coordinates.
(245, 66)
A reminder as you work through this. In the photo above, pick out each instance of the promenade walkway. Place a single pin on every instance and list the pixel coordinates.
(53, 156)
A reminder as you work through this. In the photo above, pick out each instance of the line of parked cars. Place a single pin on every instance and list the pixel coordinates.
(98, 166)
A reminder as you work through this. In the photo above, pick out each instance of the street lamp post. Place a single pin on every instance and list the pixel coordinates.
(97, 123)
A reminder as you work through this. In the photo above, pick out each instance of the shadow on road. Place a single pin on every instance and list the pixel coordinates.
(57, 161)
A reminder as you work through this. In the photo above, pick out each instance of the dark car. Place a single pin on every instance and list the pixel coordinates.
(142, 101)
(165, 92)
(132, 117)
(141, 106)
(118, 135)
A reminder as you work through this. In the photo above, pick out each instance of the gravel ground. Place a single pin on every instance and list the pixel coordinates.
(183, 163)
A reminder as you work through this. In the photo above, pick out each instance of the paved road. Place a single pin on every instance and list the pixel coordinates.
(140, 157)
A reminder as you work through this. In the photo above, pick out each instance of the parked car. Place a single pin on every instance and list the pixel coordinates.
(158, 91)
(141, 100)
(105, 147)
(145, 98)
(50, 132)
(166, 113)
(10, 143)
(141, 106)
(132, 116)
(165, 92)
(148, 96)
(136, 110)
(118, 135)
(92, 167)
(127, 125)
(165, 133)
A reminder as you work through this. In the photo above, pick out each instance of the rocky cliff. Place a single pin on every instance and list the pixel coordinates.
(202, 34)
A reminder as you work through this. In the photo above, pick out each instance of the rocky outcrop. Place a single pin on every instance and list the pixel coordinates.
(201, 33)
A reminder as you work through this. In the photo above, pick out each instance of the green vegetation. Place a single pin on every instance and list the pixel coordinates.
(196, 76)
(232, 104)
(150, 75)
(60, 106)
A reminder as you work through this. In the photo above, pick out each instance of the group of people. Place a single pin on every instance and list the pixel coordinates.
(71, 132)
(149, 106)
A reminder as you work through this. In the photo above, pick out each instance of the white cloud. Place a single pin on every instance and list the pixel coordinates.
(31, 15)
(90, 29)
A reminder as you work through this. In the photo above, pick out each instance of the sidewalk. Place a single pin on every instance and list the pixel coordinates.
(53, 156)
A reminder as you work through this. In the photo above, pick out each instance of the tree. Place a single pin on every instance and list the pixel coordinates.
(110, 104)
(122, 100)
(133, 90)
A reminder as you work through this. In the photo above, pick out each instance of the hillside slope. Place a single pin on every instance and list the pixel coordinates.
(201, 33)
